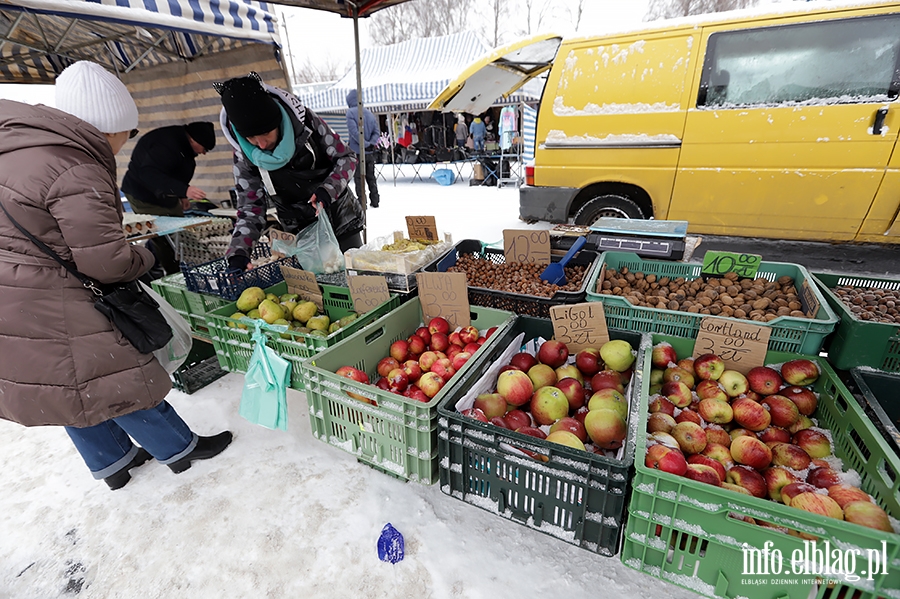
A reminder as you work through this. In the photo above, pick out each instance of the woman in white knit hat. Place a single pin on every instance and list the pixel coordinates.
(63, 362)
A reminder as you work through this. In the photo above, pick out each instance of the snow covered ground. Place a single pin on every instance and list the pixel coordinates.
(280, 514)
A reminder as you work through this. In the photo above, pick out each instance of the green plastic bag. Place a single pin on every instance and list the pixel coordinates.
(264, 400)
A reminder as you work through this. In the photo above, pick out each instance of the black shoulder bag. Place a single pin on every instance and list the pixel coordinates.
(127, 306)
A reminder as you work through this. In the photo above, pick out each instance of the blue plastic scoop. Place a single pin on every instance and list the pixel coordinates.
(555, 273)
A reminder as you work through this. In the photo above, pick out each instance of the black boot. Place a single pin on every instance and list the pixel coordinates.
(121, 478)
(207, 447)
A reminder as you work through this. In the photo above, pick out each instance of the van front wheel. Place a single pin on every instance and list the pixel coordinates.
(610, 206)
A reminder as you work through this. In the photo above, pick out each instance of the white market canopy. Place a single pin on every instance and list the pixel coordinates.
(407, 76)
(39, 38)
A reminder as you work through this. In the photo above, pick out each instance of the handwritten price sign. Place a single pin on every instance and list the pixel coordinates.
(526, 246)
(421, 227)
(720, 263)
(580, 326)
(368, 292)
(740, 344)
(444, 294)
(304, 284)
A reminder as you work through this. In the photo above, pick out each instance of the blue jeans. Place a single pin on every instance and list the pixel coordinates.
(107, 448)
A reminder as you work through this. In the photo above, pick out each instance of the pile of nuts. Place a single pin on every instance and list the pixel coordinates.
(760, 299)
(869, 303)
(515, 277)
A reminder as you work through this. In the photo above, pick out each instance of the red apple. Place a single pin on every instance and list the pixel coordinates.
(774, 434)
(792, 456)
(750, 451)
(439, 325)
(569, 371)
(818, 504)
(709, 367)
(844, 494)
(427, 360)
(658, 403)
(703, 473)
(740, 432)
(678, 393)
(490, 332)
(548, 404)
(542, 375)
(573, 425)
(663, 355)
(717, 434)
(605, 428)
(680, 375)
(750, 415)
(453, 350)
(413, 370)
(523, 361)
(749, 479)
(658, 421)
(823, 478)
(398, 380)
(792, 490)
(425, 334)
(439, 342)
(566, 438)
(492, 404)
(354, 374)
(699, 458)
(783, 411)
(416, 345)
(400, 351)
(481, 340)
(532, 432)
(709, 389)
(431, 384)
(660, 457)
(553, 353)
(866, 513)
(476, 414)
(607, 379)
(468, 334)
(588, 361)
(689, 415)
(813, 442)
(690, 436)
(413, 392)
(609, 399)
(382, 383)
(719, 453)
(459, 360)
(752, 395)
(471, 348)
(742, 491)
(516, 419)
(805, 399)
(516, 387)
(804, 422)
(499, 421)
(444, 369)
(713, 410)
(800, 372)
(776, 479)
(507, 367)
(574, 392)
(764, 380)
(687, 364)
(734, 383)
(386, 365)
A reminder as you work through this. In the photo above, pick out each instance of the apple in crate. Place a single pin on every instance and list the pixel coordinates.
(427, 360)
(709, 367)
(790, 455)
(548, 404)
(699, 458)
(438, 325)
(748, 478)
(397, 380)
(805, 399)
(413, 392)
(609, 399)
(431, 384)
(439, 342)
(660, 421)
(866, 513)
(453, 350)
(719, 453)
(415, 345)
(703, 473)
(783, 411)
(413, 370)
(823, 478)
(845, 494)
(804, 422)
(678, 374)
(689, 415)
(492, 404)
(715, 411)
(718, 435)
(678, 393)
(617, 355)
(740, 432)
(658, 403)
(523, 361)
(752, 452)
(734, 383)
(764, 380)
(588, 361)
(569, 371)
(444, 369)
(516, 419)
(455, 339)
(750, 415)
(386, 365)
(777, 478)
(459, 360)
(542, 375)
(800, 372)
(354, 374)
(553, 353)
(400, 350)
(468, 334)
(660, 457)
(818, 504)
(813, 442)
(690, 436)
(567, 438)
(605, 428)
(663, 355)
(709, 389)
(574, 392)
(516, 387)
(774, 434)
(572, 425)
(532, 431)
(425, 334)
(499, 421)
(471, 348)
(792, 490)
(607, 379)
(475, 414)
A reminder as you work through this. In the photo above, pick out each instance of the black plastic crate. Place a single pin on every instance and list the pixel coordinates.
(528, 305)
(577, 496)
(877, 394)
(199, 369)
(212, 277)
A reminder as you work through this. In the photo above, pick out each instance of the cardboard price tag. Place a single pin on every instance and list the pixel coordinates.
(304, 284)
(277, 235)
(720, 263)
(444, 294)
(526, 246)
(580, 326)
(742, 345)
(808, 300)
(421, 227)
(368, 292)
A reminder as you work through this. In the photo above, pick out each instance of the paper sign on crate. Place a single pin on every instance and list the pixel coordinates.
(444, 294)
(808, 300)
(421, 227)
(526, 246)
(368, 292)
(304, 284)
(580, 326)
(742, 345)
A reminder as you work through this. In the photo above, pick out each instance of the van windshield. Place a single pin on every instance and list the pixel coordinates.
(830, 62)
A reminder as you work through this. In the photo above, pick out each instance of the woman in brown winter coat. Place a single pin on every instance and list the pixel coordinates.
(62, 362)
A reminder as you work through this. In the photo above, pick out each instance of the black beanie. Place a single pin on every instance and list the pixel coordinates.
(250, 108)
(203, 133)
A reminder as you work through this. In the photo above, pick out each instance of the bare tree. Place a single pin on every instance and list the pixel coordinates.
(497, 12)
(423, 18)
(577, 11)
(329, 69)
(667, 9)
(535, 12)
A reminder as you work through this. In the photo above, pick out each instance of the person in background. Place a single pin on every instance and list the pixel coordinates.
(478, 130)
(284, 151)
(461, 130)
(490, 131)
(158, 179)
(63, 362)
(371, 137)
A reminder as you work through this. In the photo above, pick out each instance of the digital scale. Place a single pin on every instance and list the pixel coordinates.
(661, 239)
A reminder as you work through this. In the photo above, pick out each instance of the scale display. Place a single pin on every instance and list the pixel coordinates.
(643, 247)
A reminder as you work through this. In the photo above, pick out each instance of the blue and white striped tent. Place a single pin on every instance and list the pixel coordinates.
(406, 77)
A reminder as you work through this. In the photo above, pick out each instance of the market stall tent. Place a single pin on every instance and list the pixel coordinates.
(168, 54)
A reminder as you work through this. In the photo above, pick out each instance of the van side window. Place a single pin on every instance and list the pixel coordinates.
(826, 62)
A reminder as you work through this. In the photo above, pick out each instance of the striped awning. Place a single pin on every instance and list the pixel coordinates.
(407, 76)
(40, 38)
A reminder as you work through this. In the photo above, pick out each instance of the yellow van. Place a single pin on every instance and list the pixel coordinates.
(780, 125)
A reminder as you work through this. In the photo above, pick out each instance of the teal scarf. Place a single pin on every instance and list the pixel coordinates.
(277, 158)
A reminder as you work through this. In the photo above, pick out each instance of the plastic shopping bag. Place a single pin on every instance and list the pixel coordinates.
(316, 247)
(264, 400)
(176, 351)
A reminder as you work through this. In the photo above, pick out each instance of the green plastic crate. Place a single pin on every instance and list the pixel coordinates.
(857, 342)
(789, 334)
(878, 392)
(683, 532)
(201, 303)
(576, 496)
(397, 436)
(236, 345)
(172, 289)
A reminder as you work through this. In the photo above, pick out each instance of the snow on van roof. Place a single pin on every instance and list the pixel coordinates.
(746, 14)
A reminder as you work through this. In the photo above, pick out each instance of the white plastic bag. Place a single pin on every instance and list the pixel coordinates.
(176, 351)
(315, 247)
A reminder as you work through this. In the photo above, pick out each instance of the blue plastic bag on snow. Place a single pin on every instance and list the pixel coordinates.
(264, 400)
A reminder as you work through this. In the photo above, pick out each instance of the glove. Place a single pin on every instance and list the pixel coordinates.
(237, 264)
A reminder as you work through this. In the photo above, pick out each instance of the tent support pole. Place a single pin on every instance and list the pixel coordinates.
(361, 165)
